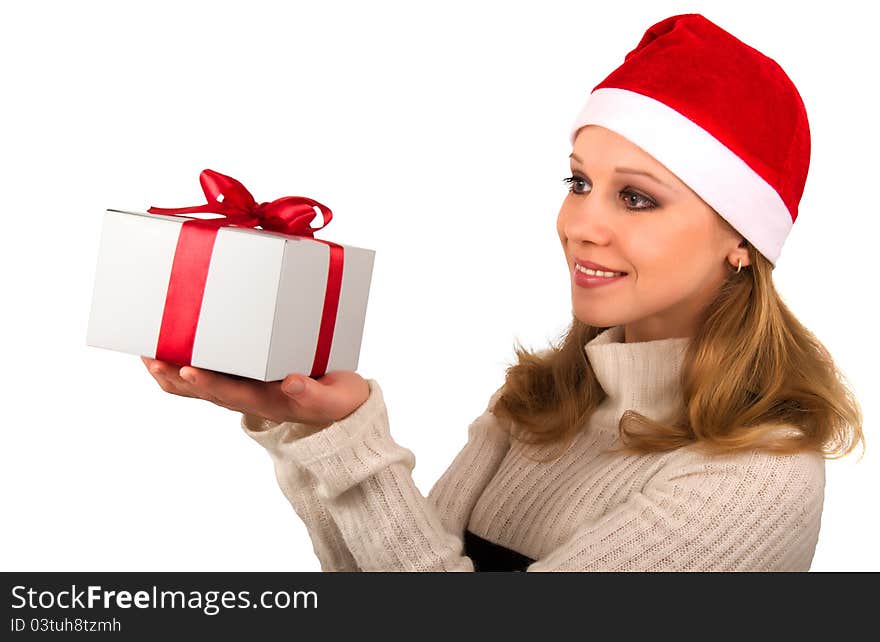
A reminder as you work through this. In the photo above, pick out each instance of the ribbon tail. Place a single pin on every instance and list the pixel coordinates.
(207, 208)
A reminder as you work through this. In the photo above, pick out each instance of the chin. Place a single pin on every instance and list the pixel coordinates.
(598, 319)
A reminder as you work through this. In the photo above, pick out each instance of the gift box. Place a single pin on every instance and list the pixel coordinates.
(251, 293)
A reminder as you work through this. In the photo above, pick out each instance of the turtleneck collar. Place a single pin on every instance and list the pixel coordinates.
(643, 376)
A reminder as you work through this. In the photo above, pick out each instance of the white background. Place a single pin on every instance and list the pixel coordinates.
(438, 135)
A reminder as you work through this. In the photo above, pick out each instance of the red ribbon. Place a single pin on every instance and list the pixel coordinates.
(189, 271)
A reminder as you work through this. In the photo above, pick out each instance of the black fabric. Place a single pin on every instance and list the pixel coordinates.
(489, 556)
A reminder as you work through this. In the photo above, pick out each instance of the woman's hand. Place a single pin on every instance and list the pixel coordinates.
(320, 402)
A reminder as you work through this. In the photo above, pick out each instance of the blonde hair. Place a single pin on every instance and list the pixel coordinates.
(750, 370)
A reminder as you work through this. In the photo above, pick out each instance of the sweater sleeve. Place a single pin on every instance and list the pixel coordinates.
(752, 512)
(352, 485)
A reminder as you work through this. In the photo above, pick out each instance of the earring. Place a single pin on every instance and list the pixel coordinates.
(739, 266)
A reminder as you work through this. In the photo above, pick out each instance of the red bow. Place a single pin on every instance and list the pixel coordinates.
(192, 257)
(227, 196)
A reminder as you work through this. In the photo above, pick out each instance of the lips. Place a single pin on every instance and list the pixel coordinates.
(596, 266)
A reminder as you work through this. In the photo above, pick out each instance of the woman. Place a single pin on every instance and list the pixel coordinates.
(687, 412)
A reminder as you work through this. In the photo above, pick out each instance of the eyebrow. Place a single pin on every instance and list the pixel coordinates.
(627, 170)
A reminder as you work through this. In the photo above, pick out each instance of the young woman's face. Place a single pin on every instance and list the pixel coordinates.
(672, 245)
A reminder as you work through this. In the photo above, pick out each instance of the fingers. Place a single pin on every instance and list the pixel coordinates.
(165, 375)
(150, 363)
(155, 366)
(235, 393)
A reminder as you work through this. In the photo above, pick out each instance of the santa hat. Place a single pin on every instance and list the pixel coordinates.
(720, 115)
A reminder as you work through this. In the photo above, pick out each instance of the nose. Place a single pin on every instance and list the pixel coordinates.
(586, 219)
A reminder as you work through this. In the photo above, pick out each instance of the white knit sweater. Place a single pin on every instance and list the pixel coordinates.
(351, 484)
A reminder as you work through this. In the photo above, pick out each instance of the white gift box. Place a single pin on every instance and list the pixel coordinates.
(263, 300)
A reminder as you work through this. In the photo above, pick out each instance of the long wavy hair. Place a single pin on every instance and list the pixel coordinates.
(753, 377)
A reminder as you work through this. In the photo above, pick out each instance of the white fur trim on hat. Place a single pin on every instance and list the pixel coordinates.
(720, 177)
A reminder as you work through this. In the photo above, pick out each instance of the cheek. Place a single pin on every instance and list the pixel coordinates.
(668, 255)
(651, 248)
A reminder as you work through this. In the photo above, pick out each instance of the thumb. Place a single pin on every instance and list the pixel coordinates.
(294, 386)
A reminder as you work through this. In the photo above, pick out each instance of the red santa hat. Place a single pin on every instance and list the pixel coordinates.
(720, 115)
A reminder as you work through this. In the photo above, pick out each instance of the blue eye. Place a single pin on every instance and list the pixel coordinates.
(628, 193)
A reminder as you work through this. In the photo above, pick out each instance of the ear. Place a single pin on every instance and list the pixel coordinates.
(741, 253)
